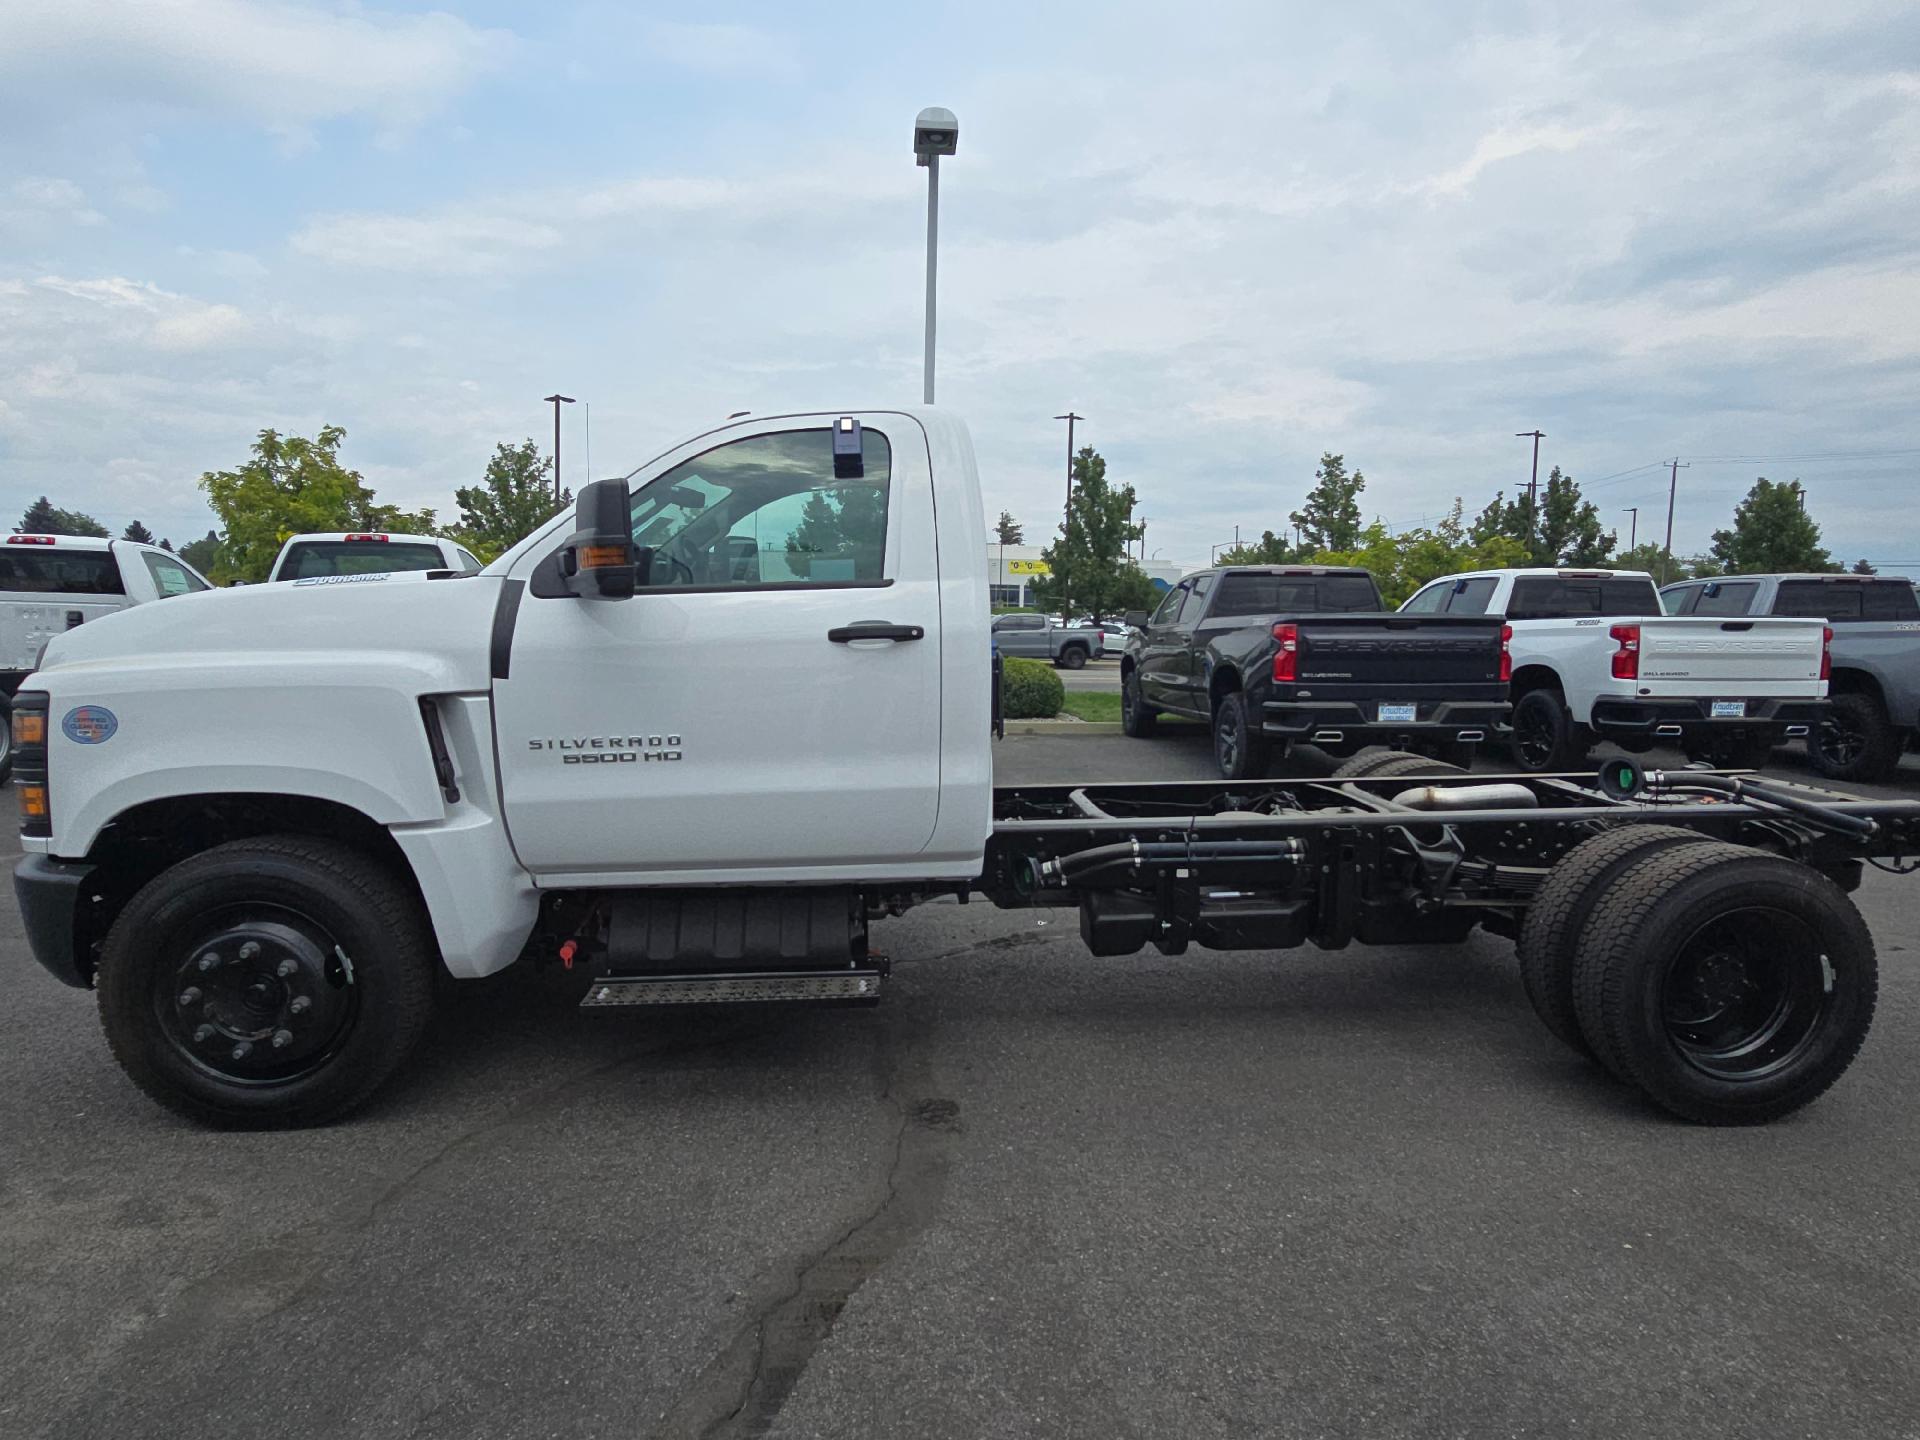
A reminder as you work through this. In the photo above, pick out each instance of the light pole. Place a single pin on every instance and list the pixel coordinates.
(557, 400)
(1533, 485)
(1066, 515)
(935, 133)
(1633, 534)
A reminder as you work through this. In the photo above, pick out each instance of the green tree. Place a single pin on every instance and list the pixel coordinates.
(203, 554)
(513, 499)
(1088, 560)
(1861, 567)
(1008, 530)
(1772, 531)
(1402, 563)
(1330, 517)
(43, 517)
(137, 532)
(1270, 549)
(293, 486)
(1570, 528)
(1652, 559)
(1513, 519)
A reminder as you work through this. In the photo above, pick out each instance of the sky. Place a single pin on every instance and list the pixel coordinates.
(1232, 236)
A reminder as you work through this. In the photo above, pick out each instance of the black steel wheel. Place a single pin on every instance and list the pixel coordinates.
(1545, 738)
(1558, 914)
(1730, 985)
(1854, 740)
(1238, 749)
(1136, 719)
(270, 981)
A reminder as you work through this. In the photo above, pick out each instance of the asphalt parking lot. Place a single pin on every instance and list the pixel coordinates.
(1033, 1194)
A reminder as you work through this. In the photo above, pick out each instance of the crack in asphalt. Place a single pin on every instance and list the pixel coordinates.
(741, 1391)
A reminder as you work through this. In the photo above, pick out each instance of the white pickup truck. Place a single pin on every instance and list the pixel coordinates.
(695, 736)
(1596, 657)
(50, 584)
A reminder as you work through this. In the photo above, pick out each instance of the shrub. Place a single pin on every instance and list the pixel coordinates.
(1029, 690)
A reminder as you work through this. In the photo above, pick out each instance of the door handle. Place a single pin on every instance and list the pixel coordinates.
(874, 630)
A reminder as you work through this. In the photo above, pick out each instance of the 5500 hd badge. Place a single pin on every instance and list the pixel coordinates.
(611, 749)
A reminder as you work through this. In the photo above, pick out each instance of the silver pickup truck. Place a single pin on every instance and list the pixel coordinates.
(1874, 690)
(1042, 637)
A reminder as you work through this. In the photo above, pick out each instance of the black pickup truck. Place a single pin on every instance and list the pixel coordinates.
(1273, 655)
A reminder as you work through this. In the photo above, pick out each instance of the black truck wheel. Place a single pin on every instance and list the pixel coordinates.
(1362, 762)
(1239, 749)
(1072, 657)
(1546, 740)
(1558, 917)
(1399, 763)
(1854, 740)
(1136, 718)
(1730, 985)
(276, 981)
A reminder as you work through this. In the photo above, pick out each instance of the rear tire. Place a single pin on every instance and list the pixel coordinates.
(1396, 765)
(1362, 762)
(1546, 740)
(320, 986)
(1074, 657)
(1136, 719)
(1854, 740)
(1557, 918)
(1731, 986)
(1240, 751)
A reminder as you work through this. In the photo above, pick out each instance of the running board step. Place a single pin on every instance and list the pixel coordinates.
(845, 987)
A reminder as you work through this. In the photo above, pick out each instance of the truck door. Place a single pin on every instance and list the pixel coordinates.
(731, 720)
(1166, 659)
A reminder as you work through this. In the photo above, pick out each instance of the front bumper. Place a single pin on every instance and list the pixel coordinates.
(1632, 718)
(1443, 721)
(50, 892)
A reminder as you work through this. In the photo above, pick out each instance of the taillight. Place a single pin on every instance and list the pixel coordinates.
(1626, 659)
(1826, 652)
(30, 762)
(1286, 655)
(1506, 653)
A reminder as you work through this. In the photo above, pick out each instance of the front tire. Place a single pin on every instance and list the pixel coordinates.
(274, 981)
(1854, 740)
(1240, 751)
(1732, 986)
(1136, 717)
(1546, 740)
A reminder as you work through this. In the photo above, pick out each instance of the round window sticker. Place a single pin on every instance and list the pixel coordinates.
(90, 724)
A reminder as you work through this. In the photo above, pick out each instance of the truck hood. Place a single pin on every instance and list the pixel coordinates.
(438, 628)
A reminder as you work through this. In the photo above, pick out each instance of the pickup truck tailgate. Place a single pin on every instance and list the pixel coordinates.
(1388, 655)
(1685, 655)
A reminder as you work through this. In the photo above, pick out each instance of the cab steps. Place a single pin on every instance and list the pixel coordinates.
(847, 985)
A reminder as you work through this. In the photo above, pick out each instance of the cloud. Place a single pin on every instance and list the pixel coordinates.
(720, 49)
(284, 65)
(1509, 142)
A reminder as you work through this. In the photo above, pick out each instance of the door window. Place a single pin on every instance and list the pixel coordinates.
(1196, 601)
(1020, 622)
(767, 510)
(170, 577)
(1169, 609)
(1718, 597)
(1470, 597)
(1680, 599)
(1430, 600)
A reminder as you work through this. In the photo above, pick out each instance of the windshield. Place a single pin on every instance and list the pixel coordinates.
(358, 557)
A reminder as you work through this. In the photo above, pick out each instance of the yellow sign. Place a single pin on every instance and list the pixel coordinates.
(1028, 567)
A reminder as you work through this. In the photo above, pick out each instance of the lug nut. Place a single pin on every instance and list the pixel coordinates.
(189, 996)
(300, 1005)
(249, 949)
(202, 1033)
(286, 968)
(282, 1039)
(209, 960)
(242, 1050)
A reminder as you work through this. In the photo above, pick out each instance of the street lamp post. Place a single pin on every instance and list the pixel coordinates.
(1066, 514)
(935, 133)
(1633, 534)
(557, 400)
(1533, 485)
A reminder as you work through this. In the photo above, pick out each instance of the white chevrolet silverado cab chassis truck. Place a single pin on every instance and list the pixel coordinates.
(697, 733)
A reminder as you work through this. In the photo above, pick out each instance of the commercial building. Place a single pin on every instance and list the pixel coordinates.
(1012, 569)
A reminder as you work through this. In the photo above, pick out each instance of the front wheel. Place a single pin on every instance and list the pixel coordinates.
(1136, 718)
(1241, 752)
(275, 981)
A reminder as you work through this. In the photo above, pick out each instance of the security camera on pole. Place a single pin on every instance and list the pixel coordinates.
(935, 133)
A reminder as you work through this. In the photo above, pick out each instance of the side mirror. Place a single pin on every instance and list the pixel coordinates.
(599, 561)
(1136, 619)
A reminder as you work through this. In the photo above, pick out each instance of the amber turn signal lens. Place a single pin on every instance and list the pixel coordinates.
(29, 727)
(602, 557)
(33, 801)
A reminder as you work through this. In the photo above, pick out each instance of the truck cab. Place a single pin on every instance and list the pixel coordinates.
(324, 558)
